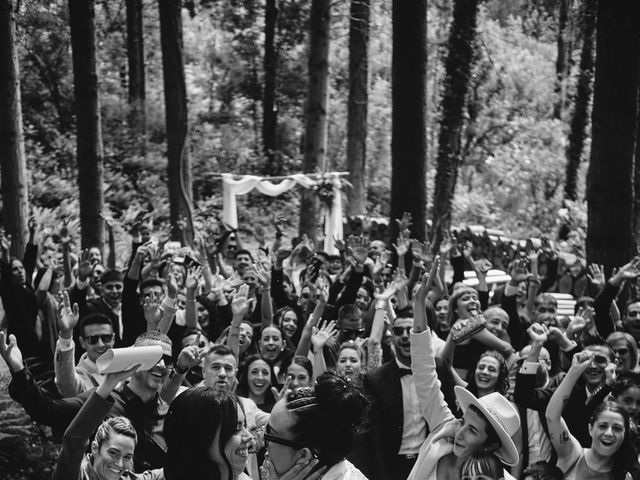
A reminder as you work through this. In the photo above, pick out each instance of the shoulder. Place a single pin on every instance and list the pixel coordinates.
(157, 474)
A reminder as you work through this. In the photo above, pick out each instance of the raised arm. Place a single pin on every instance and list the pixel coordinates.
(239, 309)
(565, 444)
(67, 380)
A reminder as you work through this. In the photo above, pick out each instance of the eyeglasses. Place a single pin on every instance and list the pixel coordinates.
(305, 295)
(398, 331)
(633, 313)
(352, 332)
(269, 437)
(94, 339)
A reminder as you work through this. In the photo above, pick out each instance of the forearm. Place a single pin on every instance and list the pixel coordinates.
(111, 259)
(66, 379)
(233, 339)
(559, 398)
(319, 364)
(266, 307)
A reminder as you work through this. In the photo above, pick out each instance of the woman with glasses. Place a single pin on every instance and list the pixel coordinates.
(626, 351)
(313, 427)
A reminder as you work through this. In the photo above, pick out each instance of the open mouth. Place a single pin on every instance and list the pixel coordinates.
(608, 443)
(243, 452)
(483, 379)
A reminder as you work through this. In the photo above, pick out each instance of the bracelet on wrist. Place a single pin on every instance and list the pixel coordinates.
(180, 371)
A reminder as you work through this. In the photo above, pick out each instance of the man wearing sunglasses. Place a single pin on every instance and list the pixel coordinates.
(399, 429)
(350, 328)
(96, 337)
(138, 399)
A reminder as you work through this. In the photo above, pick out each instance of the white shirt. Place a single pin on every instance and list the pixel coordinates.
(414, 427)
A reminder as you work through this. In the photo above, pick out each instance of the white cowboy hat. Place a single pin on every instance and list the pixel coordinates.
(502, 416)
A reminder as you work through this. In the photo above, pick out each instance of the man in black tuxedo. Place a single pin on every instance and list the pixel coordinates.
(397, 427)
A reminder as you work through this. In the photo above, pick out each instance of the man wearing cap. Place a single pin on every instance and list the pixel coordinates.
(488, 424)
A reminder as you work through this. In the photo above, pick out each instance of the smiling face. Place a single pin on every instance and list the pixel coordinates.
(400, 336)
(629, 399)
(271, 343)
(497, 321)
(154, 379)
(362, 299)
(258, 378)
(111, 293)
(442, 311)
(631, 320)
(299, 376)
(220, 371)
(607, 433)
(486, 374)
(471, 435)
(114, 456)
(349, 363)
(236, 450)
(96, 333)
(595, 374)
(623, 353)
(243, 261)
(467, 304)
(289, 323)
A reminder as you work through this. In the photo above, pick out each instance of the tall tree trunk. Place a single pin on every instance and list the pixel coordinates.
(579, 120)
(88, 125)
(561, 59)
(409, 113)
(315, 147)
(357, 106)
(456, 83)
(636, 189)
(137, 117)
(175, 101)
(269, 109)
(610, 175)
(13, 166)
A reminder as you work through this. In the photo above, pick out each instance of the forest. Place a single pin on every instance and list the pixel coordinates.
(504, 106)
(517, 117)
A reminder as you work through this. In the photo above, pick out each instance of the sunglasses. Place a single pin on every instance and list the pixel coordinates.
(94, 339)
(545, 310)
(269, 437)
(623, 352)
(398, 331)
(352, 332)
(633, 313)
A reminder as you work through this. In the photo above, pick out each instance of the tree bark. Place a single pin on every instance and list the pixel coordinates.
(561, 59)
(88, 124)
(456, 83)
(315, 147)
(13, 166)
(175, 100)
(579, 119)
(137, 117)
(357, 106)
(269, 109)
(610, 175)
(409, 114)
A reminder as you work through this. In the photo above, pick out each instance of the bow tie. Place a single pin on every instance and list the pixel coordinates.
(404, 371)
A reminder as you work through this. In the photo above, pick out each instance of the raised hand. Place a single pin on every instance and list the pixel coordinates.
(339, 244)
(483, 265)
(10, 352)
(403, 243)
(405, 222)
(596, 275)
(358, 246)
(193, 278)
(322, 335)
(32, 225)
(279, 395)
(518, 271)
(258, 233)
(467, 249)
(152, 312)
(581, 361)
(627, 272)
(282, 253)
(537, 333)
(85, 270)
(240, 302)
(421, 251)
(189, 357)
(5, 240)
(67, 315)
(172, 286)
(262, 273)
(322, 290)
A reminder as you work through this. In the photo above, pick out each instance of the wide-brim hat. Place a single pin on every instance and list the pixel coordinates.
(502, 416)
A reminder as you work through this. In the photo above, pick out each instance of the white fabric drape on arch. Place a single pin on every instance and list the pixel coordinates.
(232, 188)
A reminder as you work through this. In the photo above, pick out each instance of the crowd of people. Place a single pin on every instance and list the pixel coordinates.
(290, 363)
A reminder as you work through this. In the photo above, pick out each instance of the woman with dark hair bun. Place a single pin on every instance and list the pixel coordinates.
(313, 428)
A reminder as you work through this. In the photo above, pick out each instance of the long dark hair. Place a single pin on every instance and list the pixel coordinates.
(243, 382)
(327, 415)
(277, 319)
(190, 427)
(625, 459)
(502, 385)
